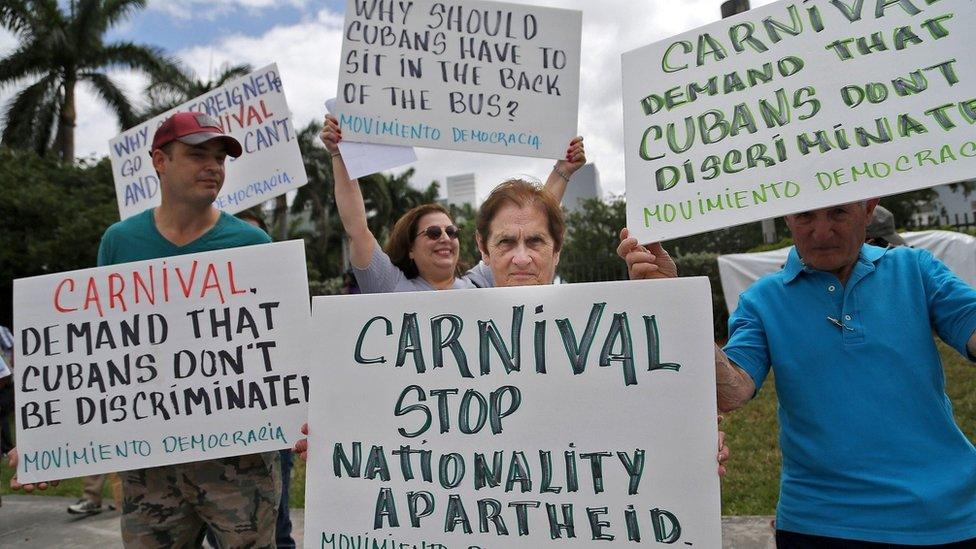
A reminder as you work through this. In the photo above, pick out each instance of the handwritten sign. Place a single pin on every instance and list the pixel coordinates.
(254, 111)
(548, 416)
(362, 159)
(151, 363)
(796, 106)
(467, 75)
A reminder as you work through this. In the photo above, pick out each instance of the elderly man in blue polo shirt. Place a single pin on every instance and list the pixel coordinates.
(871, 454)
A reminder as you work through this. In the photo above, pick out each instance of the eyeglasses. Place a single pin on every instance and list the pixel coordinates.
(434, 232)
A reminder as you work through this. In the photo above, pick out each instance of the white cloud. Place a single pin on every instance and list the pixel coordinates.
(213, 9)
(7, 42)
(307, 55)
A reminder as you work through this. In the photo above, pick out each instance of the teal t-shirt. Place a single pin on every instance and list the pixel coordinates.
(138, 239)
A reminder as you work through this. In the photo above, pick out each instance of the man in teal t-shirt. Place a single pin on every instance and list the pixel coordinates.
(872, 455)
(236, 497)
(171, 506)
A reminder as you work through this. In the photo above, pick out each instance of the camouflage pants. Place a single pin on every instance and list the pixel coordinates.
(171, 506)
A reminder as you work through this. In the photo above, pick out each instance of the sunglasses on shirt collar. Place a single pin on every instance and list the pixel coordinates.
(434, 232)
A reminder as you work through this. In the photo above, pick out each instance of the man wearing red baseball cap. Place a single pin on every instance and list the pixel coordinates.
(194, 128)
(236, 497)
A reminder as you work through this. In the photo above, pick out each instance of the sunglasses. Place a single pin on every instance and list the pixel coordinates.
(434, 232)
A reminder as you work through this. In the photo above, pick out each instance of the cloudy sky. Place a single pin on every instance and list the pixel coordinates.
(304, 38)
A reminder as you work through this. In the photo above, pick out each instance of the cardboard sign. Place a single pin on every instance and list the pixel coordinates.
(797, 106)
(528, 417)
(172, 360)
(467, 75)
(362, 159)
(254, 111)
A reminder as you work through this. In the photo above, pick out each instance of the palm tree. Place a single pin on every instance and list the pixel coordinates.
(387, 197)
(317, 197)
(179, 85)
(57, 51)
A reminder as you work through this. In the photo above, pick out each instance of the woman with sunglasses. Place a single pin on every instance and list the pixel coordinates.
(423, 250)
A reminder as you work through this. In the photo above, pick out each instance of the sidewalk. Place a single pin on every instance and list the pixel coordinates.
(29, 522)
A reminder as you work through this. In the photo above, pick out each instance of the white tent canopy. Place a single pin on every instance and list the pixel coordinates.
(739, 271)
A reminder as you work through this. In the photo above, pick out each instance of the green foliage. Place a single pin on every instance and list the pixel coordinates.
(589, 252)
(56, 51)
(51, 217)
(783, 243)
(751, 484)
(731, 240)
(465, 219)
(706, 264)
(387, 197)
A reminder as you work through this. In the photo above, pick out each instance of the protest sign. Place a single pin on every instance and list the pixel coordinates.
(172, 360)
(796, 106)
(253, 110)
(467, 75)
(526, 417)
(362, 159)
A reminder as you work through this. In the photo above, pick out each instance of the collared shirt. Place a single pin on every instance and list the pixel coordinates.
(870, 447)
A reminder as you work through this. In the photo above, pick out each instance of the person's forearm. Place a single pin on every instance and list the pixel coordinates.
(556, 184)
(734, 387)
(971, 346)
(352, 213)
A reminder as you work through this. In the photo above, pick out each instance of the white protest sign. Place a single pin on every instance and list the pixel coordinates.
(797, 106)
(362, 159)
(466, 75)
(172, 360)
(253, 110)
(525, 417)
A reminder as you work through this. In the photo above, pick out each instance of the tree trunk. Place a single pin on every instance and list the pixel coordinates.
(322, 215)
(281, 218)
(66, 123)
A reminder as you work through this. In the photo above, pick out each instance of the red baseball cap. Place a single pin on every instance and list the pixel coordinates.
(194, 128)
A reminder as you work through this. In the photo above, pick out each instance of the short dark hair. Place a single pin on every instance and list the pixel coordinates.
(249, 215)
(522, 194)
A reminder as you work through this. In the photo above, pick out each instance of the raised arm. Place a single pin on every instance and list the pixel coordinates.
(349, 199)
(564, 169)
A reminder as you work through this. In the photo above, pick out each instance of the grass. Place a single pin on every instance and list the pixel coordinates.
(751, 486)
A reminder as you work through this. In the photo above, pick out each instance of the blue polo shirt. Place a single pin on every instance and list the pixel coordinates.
(870, 448)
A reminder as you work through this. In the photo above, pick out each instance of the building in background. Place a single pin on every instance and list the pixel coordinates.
(584, 184)
(952, 207)
(462, 189)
